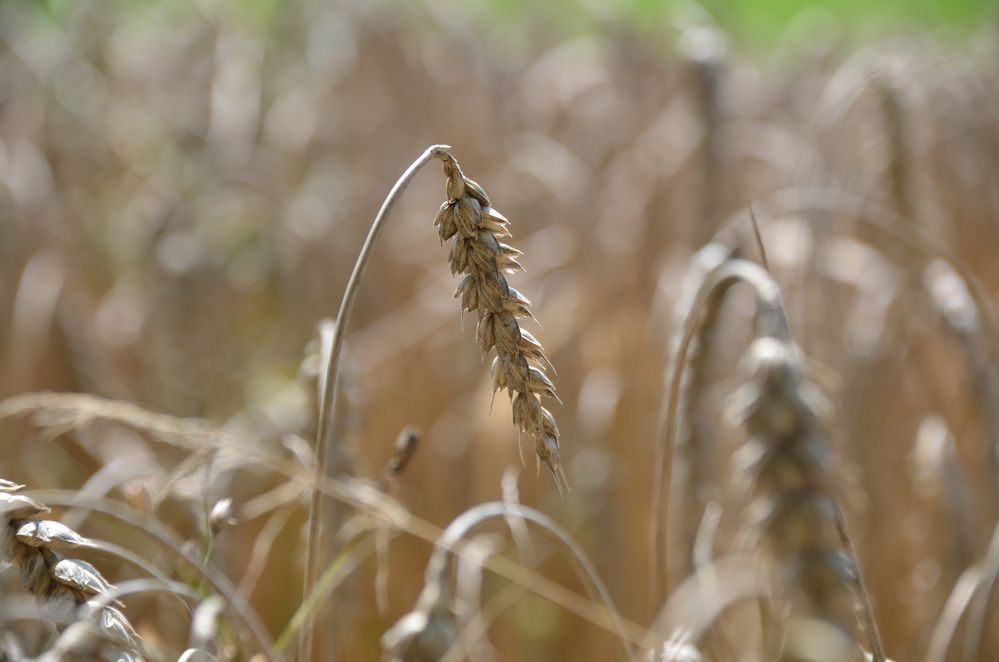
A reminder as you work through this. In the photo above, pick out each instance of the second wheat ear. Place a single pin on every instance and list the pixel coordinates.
(476, 232)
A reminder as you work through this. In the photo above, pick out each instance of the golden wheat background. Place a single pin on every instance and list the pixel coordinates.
(184, 189)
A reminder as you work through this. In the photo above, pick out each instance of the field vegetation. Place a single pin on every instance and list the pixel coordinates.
(499, 330)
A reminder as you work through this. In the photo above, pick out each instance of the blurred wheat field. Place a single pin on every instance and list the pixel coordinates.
(184, 190)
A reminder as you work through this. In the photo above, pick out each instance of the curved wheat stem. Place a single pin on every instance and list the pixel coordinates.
(691, 479)
(431, 629)
(773, 322)
(782, 418)
(324, 430)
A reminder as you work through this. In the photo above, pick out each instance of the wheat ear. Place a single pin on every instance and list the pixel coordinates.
(63, 587)
(467, 216)
(786, 462)
(476, 231)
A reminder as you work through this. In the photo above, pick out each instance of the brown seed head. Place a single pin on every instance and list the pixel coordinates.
(468, 219)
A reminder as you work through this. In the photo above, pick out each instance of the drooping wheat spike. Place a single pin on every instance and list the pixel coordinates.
(787, 462)
(476, 231)
(64, 588)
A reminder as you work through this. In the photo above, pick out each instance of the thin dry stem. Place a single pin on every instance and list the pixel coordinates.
(842, 206)
(77, 410)
(325, 427)
(979, 607)
(691, 480)
(371, 501)
(703, 596)
(957, 604)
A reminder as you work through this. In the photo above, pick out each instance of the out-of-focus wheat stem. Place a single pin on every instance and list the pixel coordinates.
(706, 58)
(81, 409)
(770, 314)
(895, 117)
(979, 607)
(950, 616)
(349, 557)
(842, 206)
(691, 481)
(325, 426)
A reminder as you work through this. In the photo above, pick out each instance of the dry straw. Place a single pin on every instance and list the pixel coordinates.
(692, 480)
(61, 412)
(432, 628)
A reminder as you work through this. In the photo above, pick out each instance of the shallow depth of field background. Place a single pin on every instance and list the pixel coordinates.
(184, 187)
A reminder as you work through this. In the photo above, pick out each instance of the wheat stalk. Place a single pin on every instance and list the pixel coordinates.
(694, 440)
(325, 427)
(476, 251)
(896, 125)
(476, 231)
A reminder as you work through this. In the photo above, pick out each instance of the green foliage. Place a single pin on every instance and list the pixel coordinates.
(759, 23)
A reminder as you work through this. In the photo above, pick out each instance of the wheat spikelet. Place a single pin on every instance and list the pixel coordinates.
(64, 588)
(475, 230)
